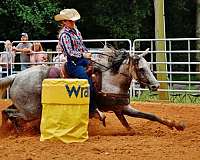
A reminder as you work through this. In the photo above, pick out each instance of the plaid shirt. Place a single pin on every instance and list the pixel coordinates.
(72, 42)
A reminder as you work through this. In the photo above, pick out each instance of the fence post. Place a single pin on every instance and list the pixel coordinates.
(161, 46)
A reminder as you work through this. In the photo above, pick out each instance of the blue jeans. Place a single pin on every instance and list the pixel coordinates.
(78, 70)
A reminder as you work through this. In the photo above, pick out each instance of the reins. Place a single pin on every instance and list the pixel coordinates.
(135, 63)
(115, 63)
(107, 68)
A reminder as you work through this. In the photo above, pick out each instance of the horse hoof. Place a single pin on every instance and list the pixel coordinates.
(169, 123)
(180, 126)
(129, 128)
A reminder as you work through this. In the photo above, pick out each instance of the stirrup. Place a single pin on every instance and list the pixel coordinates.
(102, 117)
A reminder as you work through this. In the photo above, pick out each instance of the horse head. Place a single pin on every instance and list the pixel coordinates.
(120, 65)
(140, 71)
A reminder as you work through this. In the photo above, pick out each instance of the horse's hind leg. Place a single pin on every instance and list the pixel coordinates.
(128, 110)
(11, 114)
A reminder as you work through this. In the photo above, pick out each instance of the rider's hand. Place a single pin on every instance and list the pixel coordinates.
(87, 55)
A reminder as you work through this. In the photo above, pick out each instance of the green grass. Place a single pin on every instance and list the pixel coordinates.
(175, 97)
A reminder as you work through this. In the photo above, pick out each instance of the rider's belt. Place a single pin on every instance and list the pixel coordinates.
(73, 60)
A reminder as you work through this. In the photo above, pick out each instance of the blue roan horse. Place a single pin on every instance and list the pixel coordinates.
(115, 69)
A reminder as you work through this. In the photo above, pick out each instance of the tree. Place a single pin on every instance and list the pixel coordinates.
(109, 18)
(198, 33)
(34, 17)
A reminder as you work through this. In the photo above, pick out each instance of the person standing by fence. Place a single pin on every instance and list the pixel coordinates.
(24, 48)
(7, 58)
(77, 54)
(60, 57)
(38, 55)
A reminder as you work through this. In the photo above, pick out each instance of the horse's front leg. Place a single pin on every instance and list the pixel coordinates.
(122, 119)
(4, 119)
(128, 110)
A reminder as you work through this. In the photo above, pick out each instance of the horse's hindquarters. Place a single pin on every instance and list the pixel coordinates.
(25, 92)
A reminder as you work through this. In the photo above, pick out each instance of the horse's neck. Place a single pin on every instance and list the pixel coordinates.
(115, 83)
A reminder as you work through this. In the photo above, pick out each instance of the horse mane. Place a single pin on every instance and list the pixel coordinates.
(120, 56)
(114, 56)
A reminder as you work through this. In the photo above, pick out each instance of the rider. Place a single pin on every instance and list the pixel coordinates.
(77, 54)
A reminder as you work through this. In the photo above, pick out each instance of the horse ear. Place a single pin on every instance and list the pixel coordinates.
(144, 53)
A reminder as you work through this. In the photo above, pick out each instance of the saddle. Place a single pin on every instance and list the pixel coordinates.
(62, 72)
(55, 72)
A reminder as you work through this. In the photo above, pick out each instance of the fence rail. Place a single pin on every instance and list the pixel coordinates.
(185, 69)
(183, 76)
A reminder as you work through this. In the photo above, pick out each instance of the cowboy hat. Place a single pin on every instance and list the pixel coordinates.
(68, 14)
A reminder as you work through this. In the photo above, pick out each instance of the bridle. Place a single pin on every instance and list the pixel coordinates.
(132, 61)
(140, 73)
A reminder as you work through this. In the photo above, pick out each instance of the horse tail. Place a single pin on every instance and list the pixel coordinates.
(5, 83)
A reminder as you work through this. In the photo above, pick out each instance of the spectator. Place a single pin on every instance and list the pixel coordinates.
(60, 57)
(8, 57)
(37, 53)
(24, 48)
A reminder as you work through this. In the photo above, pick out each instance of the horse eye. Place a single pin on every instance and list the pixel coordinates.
(100, 56)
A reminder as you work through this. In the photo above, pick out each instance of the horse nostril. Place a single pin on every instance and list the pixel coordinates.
(154, 87)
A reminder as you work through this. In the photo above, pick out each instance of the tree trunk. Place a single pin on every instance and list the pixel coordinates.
(161, 46)
(198, 34)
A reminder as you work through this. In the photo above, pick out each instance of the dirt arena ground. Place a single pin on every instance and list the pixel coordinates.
(148, 140)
